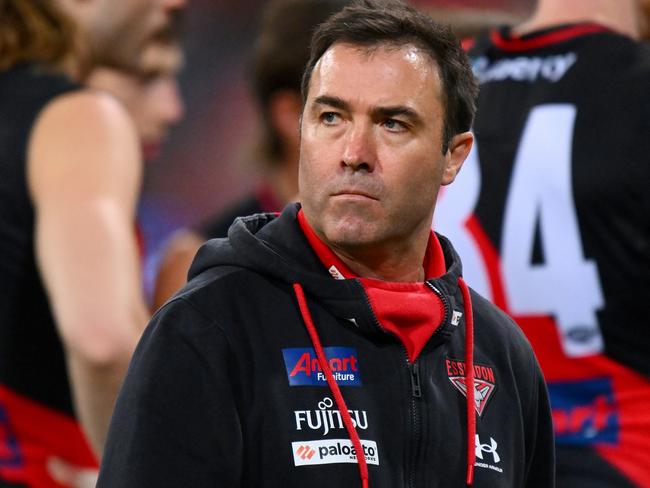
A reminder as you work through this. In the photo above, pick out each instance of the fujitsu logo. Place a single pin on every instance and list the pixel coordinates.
(326, 419)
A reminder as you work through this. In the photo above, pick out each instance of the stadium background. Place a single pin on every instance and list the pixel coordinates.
(205, 164)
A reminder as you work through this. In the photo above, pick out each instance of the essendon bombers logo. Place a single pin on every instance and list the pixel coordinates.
(484, 382)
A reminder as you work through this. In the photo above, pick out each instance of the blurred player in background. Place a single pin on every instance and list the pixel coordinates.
(551, 216)
(151, 95)
(152, 98)
(281, 53)
(71, 306)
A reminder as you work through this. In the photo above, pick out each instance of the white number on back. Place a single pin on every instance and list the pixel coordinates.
(565, 284)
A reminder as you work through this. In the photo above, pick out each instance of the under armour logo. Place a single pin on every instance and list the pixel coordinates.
(490, 448)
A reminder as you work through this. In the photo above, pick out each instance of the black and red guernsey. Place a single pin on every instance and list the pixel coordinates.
(551, 216)
(37, 419)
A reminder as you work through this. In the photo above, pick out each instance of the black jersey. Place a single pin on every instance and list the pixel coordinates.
(36, 413)
(551, 216)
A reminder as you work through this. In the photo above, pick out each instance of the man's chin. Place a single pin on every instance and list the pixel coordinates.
(351, 232)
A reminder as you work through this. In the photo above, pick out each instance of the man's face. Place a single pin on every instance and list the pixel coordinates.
(371, 159)
(121, 30)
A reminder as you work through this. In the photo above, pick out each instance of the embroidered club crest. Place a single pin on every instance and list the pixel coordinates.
(484, 382)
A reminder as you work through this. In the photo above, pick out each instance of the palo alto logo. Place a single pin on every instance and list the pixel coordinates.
(332, 451)
(305, 452)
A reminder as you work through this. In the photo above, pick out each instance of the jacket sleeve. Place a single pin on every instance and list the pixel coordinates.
(175, 422)
(540, 442)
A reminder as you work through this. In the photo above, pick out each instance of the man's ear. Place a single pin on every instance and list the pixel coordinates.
(459, 148)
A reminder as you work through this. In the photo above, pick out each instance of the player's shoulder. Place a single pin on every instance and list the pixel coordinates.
(89, 134)
(86, 110)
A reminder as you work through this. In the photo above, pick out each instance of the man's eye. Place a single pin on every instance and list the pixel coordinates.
(330, 117)
(394, 125)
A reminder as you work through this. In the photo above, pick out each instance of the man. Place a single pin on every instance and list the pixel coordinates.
(71, 309)
(151, 95)
(343, 327)
(281, 52)
(550, 216)
(153, 101)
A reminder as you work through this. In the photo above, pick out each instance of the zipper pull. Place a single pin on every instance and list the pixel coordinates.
(416, 390)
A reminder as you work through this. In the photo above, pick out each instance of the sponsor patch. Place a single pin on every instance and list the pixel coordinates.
(486, 455)
(484, 382)
(335, 273)
(303, 368)
(584, 412)
(326, 418)
(524, 68)
(332, 451)
(455, 317)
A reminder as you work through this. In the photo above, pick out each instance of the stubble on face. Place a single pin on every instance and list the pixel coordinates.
(368, 183)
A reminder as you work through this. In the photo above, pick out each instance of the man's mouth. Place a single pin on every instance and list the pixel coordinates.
(354, 194)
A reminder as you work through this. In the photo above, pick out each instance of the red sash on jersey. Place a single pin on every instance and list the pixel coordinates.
(30, 434)
(596, 401)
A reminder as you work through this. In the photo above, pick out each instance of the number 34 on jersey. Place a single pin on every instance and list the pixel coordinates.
(564, 284)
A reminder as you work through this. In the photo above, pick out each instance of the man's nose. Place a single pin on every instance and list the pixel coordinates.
(360, 151)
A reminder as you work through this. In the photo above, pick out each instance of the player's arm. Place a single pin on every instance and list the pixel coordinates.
(84, 172)
(174, 264)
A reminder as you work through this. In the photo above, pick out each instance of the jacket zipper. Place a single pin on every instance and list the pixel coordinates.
(416, 394)
(414, 376)
(445, 304)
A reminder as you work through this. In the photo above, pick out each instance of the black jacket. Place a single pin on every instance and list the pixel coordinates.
(225, 389)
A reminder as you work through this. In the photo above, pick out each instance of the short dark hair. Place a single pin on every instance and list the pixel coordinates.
(281, 53)
(369, 23)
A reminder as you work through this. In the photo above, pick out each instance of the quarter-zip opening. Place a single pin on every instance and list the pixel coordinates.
(445, 305)
(416, 423)
(413, 369)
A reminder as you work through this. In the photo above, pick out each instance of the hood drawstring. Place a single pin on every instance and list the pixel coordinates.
(343, 409)
(469, 380)
(331, 382)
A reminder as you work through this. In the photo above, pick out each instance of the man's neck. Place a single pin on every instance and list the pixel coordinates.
(402, 260)
(406, 267)
(398, 260)
(619, 15)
